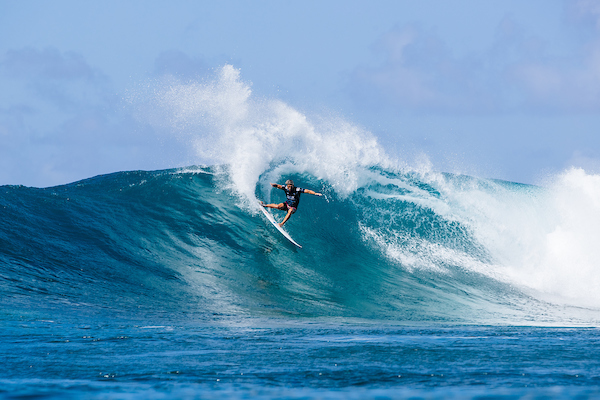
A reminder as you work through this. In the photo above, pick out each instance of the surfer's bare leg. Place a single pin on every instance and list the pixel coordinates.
(277, 206)
(287, 216)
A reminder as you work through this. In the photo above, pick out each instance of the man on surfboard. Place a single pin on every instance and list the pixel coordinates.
(293, 198)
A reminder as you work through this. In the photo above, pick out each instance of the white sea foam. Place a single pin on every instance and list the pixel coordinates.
(542, 239)
(562, 257)
(226, 125)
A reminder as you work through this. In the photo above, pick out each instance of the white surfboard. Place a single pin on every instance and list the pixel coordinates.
(276, 225)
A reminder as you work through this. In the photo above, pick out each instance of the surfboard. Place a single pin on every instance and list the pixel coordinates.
(276, 225)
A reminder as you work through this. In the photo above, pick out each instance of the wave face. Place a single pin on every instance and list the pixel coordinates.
(402, 246)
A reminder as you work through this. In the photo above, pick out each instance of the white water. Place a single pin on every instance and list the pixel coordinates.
(544, 239)
(228, 126)
(555, 240)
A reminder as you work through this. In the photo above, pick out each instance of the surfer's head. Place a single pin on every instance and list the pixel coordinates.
(289, 182)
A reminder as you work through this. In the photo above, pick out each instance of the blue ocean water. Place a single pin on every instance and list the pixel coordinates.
(171, 284)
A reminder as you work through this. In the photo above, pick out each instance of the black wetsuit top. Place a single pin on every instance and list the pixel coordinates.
(293, 196)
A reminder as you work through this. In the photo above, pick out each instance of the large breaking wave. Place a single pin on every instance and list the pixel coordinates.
(401, 247)
(389, 241)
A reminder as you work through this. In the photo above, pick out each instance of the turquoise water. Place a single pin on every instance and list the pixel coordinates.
(171, 284)
(50, 359)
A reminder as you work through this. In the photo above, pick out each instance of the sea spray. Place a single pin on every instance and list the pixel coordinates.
(228, 126)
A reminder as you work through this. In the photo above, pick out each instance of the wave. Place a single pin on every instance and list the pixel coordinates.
(403, 246)
(390, 241)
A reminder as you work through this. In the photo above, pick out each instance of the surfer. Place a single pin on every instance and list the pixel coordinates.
(293, 198)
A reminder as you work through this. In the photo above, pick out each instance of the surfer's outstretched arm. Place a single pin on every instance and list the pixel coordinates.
(312, 192)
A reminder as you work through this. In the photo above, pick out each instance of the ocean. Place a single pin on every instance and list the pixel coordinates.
(411, 283)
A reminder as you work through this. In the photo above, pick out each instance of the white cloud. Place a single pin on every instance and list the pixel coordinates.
(48, 63)
(419, 72)
(584, 12)
(517, 72)
(560, 84)
(61, 120)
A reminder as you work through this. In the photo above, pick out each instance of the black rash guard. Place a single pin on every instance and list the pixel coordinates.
(293, 196)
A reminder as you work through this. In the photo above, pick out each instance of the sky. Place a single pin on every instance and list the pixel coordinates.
(500, 89)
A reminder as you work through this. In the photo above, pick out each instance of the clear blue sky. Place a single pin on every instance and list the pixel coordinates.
(502, 89)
